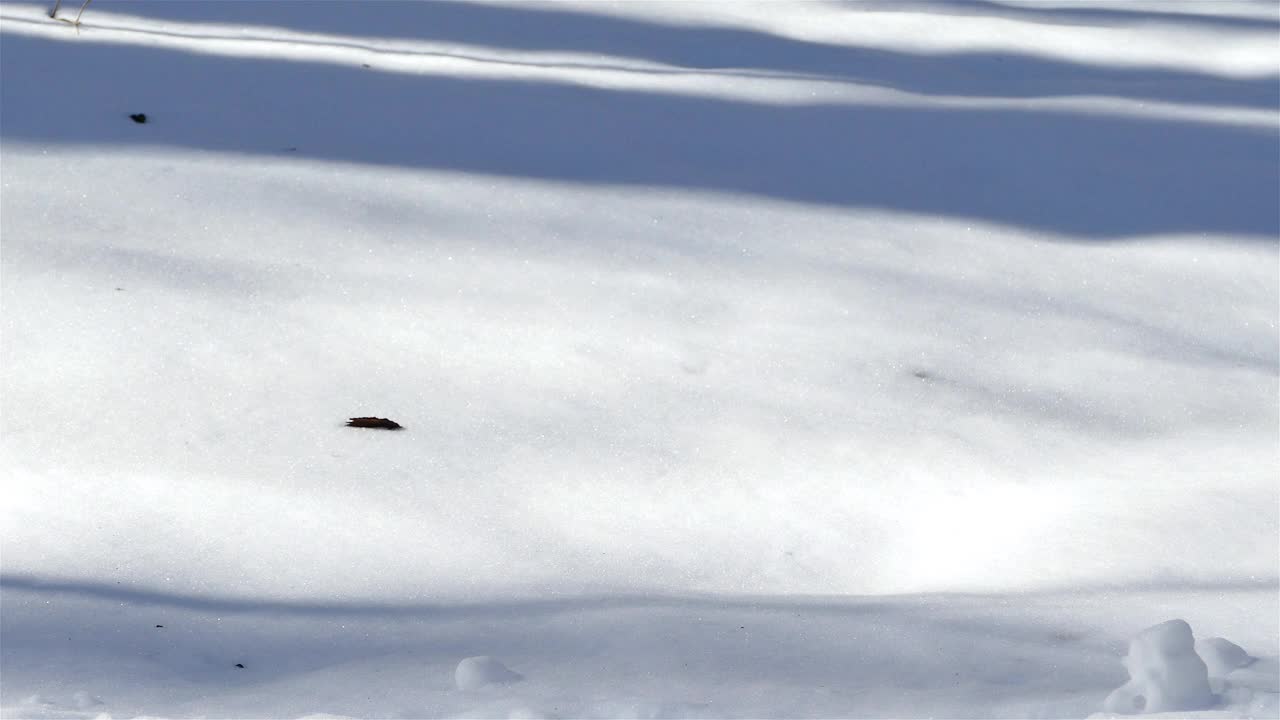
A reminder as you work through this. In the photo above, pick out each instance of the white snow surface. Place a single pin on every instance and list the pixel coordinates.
(474, 673)
(1165, 673)
(820, 359)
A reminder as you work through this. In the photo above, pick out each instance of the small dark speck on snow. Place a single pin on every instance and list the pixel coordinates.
(374, 422)
(139, 118)
(239, 665)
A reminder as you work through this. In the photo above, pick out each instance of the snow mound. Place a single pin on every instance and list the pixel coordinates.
(1222, 656)
(1165, 673)
(476, 672)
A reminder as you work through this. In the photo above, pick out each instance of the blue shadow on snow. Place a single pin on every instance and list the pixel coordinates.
(1089, 176)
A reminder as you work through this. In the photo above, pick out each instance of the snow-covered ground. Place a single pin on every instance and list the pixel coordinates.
(755, 359)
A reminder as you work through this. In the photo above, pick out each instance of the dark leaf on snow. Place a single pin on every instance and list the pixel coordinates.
(373, 422)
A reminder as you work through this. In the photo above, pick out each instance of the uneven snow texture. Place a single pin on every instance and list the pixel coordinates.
(755, 359)
(1221, 656)
(474, 673)
(1171, 674)
(1165, 673)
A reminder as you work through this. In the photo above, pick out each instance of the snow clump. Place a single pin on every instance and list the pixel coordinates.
(1165, 673)
(476, 672)
(1222, 656)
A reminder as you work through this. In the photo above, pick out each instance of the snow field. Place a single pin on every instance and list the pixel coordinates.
(488, 385)
(821, 362)
(912, 656)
